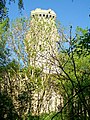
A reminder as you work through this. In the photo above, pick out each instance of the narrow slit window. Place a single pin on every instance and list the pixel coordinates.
(46, 16)
(40, 15)
(40, 47)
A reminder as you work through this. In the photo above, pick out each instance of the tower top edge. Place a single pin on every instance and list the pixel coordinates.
(42, 11)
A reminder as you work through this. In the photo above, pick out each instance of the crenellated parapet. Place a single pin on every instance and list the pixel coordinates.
(43, 13)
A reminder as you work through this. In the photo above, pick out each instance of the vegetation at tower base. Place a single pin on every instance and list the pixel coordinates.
(19, 81)
(32, 74)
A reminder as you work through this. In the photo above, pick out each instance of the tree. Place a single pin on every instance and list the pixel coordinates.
(3, 8)
(4, 51)
(4, 24)
(82, 42)
(37, 86)
(74, 78)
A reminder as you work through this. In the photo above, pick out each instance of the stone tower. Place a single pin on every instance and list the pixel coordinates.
(42, 38)
(41, 41)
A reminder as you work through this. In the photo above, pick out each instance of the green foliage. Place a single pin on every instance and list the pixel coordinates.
(16, 36)
(4, 51)
(82, 42)
(7, 110)
(75, 77)
(3, 8)
(44, 116)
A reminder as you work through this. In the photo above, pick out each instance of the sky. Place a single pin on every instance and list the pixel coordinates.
(74, 13)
